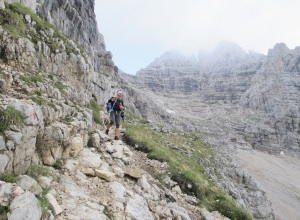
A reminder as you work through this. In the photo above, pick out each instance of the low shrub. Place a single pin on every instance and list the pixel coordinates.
(36, 170)
(8, 177)
(10, 116)
(58, 164)
(96, 108)
(3, 212)
(38, 92)
(59, 86)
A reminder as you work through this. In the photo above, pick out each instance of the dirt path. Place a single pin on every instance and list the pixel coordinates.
(279, 177)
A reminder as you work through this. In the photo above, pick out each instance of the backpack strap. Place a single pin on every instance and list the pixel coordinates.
(113, 105)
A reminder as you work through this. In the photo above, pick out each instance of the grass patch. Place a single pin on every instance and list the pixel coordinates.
(31, 78)
(52, 105)
(58, 165)
(96, 108)
(59, 86)
(36, 170)
(38, 100)
(10, 116)
(109, 214)
(182, 153)
(3, 212)
(51, 76)
(44, 202)
(38, 92)
(8, 177)
(12, 21)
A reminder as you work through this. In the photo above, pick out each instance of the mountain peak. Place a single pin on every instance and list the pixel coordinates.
(228, 51)
(280, 49)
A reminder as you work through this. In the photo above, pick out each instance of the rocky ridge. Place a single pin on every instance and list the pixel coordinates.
(102, 182)
(255, 94)
(241, 100)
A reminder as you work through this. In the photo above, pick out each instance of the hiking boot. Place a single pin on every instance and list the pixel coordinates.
(117, 138)
(106, 131)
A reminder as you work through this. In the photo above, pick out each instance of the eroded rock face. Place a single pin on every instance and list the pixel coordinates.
(77, 19)
(272, 102)
(245, 100)
(254, 95)
(171, 72)
(52, 86)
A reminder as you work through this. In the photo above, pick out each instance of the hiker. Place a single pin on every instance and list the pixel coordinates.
(117, 106)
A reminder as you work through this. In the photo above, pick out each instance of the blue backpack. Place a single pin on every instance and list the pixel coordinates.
(108, 107)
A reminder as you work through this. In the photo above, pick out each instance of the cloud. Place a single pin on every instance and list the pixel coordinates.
(190, 25)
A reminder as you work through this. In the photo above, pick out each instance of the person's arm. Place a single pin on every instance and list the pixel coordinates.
(121, 106)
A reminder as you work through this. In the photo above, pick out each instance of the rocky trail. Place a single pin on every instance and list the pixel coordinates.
(107, 181)
(279, 177)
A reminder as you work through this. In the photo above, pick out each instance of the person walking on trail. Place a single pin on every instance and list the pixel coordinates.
(117, 106)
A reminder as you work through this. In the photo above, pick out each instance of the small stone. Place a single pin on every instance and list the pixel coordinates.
(132, 172)
(118, 171)
(88, 171)
(176, 189)
(54, 204)
(104, 174)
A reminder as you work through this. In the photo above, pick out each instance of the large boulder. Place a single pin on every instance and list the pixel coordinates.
(25, 206)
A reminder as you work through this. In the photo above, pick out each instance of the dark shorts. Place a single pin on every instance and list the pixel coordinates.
(115, 117)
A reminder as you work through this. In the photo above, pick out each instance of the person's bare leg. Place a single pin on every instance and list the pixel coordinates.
(117, 133)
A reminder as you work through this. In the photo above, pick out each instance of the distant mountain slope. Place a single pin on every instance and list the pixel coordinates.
(259, 94)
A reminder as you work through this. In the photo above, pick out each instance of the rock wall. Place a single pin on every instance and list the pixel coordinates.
(255, 96)
(171, 72)
(51, 80)
(272, 102)
(28, 3)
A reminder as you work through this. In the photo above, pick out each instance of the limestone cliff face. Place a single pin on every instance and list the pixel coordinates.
(172, 71)
(242, 100)
(256, 95)
(272, 102)
(77, 19)
(228, 72)
(51, 80)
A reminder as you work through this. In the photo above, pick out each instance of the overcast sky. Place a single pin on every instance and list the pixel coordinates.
(138, 31)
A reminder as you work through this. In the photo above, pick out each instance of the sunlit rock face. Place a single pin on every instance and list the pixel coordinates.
(77, 19)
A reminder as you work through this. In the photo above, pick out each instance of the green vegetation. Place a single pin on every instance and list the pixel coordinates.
(31, 78)
(52, 105)
(12, 21)
(38, 92)
(59, 86)
(3, 212)
(182, 152)
(108, 213)
(36, 170)
(58, 164)
(95, 107)
(51, 76)
(8, 177)
(44, 202)
(38, 100)
(10, 116)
